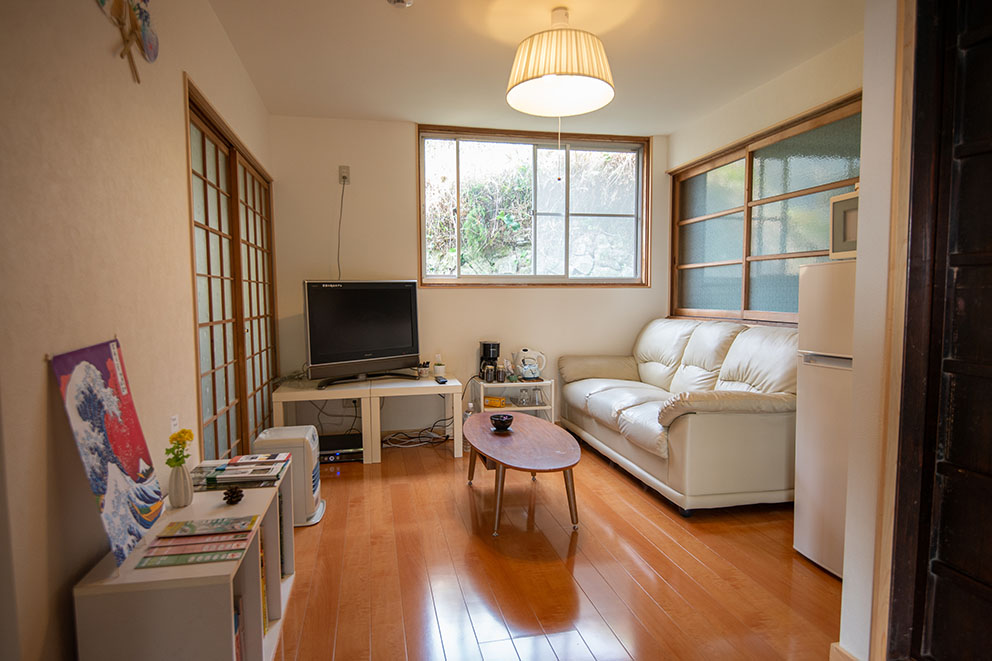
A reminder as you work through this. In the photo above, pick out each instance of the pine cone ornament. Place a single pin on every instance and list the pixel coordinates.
(233, 495)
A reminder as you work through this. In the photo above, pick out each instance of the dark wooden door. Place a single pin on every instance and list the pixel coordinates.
(941, 604)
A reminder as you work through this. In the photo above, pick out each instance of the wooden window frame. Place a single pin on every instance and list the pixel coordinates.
(828, 113)
(212, 123)
(642, 279)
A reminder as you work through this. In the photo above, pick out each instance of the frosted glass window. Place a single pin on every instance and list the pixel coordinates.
(717, 190)
(602, 247)
(211, 162)
(711, 287)
(715, 240)
(797, 224)
(820, 156)
(196, 148)
(602, 182)
(775, 283)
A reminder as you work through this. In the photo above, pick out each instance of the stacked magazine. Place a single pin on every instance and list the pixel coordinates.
(196, 542)
(246, 471)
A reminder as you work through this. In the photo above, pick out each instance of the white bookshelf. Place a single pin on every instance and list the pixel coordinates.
(187, 612)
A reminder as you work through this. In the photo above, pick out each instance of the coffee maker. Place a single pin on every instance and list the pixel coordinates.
(489, 354)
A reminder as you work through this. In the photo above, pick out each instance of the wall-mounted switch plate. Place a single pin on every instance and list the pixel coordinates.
(344, 174)
(174, 424)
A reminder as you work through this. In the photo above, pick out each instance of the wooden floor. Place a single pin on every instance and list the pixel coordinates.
(404, 566)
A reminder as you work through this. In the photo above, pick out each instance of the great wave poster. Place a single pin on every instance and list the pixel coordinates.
(108, 435)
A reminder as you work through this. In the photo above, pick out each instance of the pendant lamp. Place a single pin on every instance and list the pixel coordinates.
(560, 72)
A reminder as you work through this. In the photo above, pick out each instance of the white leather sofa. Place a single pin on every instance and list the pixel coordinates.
(704, 412)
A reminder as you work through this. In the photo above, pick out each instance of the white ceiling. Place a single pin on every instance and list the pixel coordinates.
(447, 61)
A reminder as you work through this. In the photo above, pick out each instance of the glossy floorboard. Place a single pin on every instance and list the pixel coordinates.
(404, 566)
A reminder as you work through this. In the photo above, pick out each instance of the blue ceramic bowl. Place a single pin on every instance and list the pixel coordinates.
(501, 421)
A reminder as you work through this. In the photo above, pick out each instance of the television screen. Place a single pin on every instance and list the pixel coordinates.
(360, 327)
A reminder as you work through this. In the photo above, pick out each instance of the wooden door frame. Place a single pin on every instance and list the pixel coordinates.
(914, 468)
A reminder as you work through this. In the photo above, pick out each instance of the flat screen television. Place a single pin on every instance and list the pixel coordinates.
(359, 329)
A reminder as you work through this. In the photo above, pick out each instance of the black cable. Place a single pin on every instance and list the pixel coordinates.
(340, 217)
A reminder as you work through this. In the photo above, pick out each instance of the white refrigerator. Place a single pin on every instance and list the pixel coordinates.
(823, 410)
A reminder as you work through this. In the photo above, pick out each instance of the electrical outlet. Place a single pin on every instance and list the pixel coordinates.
(174, 424)
(344, 174)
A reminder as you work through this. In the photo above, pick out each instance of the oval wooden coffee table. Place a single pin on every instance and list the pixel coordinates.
(531, 444)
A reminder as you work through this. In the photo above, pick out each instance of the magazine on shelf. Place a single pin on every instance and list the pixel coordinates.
(207, 547)
(247, 473)
(271, 458)
(202, 539)
(209, 526)
(188, 559)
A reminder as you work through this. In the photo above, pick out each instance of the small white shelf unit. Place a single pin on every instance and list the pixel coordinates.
(187, 612)
(542, 397)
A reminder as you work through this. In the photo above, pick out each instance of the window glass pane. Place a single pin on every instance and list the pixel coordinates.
(221, 388)
(196, 148)
(794, 225)
(241, 181)
(602, 182)
(232, 382)
(222, 433)
(229, 340)
(215, 266)
(204, 349)
(199, 201)
(224, 225)
(497, 193)
(775, 283)
(820, 156)
(711, 288)
(202, 299)
(222, 174)
(209, 447)
(551, 181)
(225, 253)
(717, 190)
(602, 247)
(550, 251)
(714, 240)
(200, 247)
(219, 347)
(244, 222)
(211, 162)
(440, 206)
(228, 307)
(207, 396)
(216, 299)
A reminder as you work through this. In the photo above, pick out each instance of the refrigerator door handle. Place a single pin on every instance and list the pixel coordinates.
(814, 359)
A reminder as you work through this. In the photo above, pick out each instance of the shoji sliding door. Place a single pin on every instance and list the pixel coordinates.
(234, 284)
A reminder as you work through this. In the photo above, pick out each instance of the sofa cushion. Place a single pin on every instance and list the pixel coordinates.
(761, 359)
(576, 368)
(659, 349)
(577, 392)
(704, 355)
(640, 426)
(607, 405)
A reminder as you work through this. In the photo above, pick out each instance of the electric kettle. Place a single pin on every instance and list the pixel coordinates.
(529, 363)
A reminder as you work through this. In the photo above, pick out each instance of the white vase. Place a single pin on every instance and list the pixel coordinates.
(180, 487)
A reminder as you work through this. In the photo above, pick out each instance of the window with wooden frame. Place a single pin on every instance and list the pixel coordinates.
(747, 219)
(233, 276)
(522, 208)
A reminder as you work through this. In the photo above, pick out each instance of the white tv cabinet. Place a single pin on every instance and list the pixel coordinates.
(187, 612)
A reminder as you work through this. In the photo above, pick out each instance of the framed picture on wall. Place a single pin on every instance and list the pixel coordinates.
(844, 226)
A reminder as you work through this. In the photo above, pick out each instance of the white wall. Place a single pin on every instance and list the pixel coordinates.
(94, 242)
(828, 75)
(865, 446)
(379, 241)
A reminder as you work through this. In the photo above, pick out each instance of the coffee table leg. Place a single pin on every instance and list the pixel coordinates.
(471, 465)
(533, 477)
(570, 491)
(500, 474)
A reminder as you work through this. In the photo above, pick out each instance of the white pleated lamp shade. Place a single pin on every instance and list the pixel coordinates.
(559, 73)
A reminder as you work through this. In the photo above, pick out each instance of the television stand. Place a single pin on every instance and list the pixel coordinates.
(366, 377)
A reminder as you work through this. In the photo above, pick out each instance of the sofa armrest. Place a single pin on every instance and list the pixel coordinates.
(575, 368)
(725, 401)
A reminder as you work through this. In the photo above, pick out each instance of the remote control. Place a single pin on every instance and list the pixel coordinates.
(441, 380)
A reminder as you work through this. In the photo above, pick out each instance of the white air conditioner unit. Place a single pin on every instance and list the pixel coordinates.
(303, 443)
